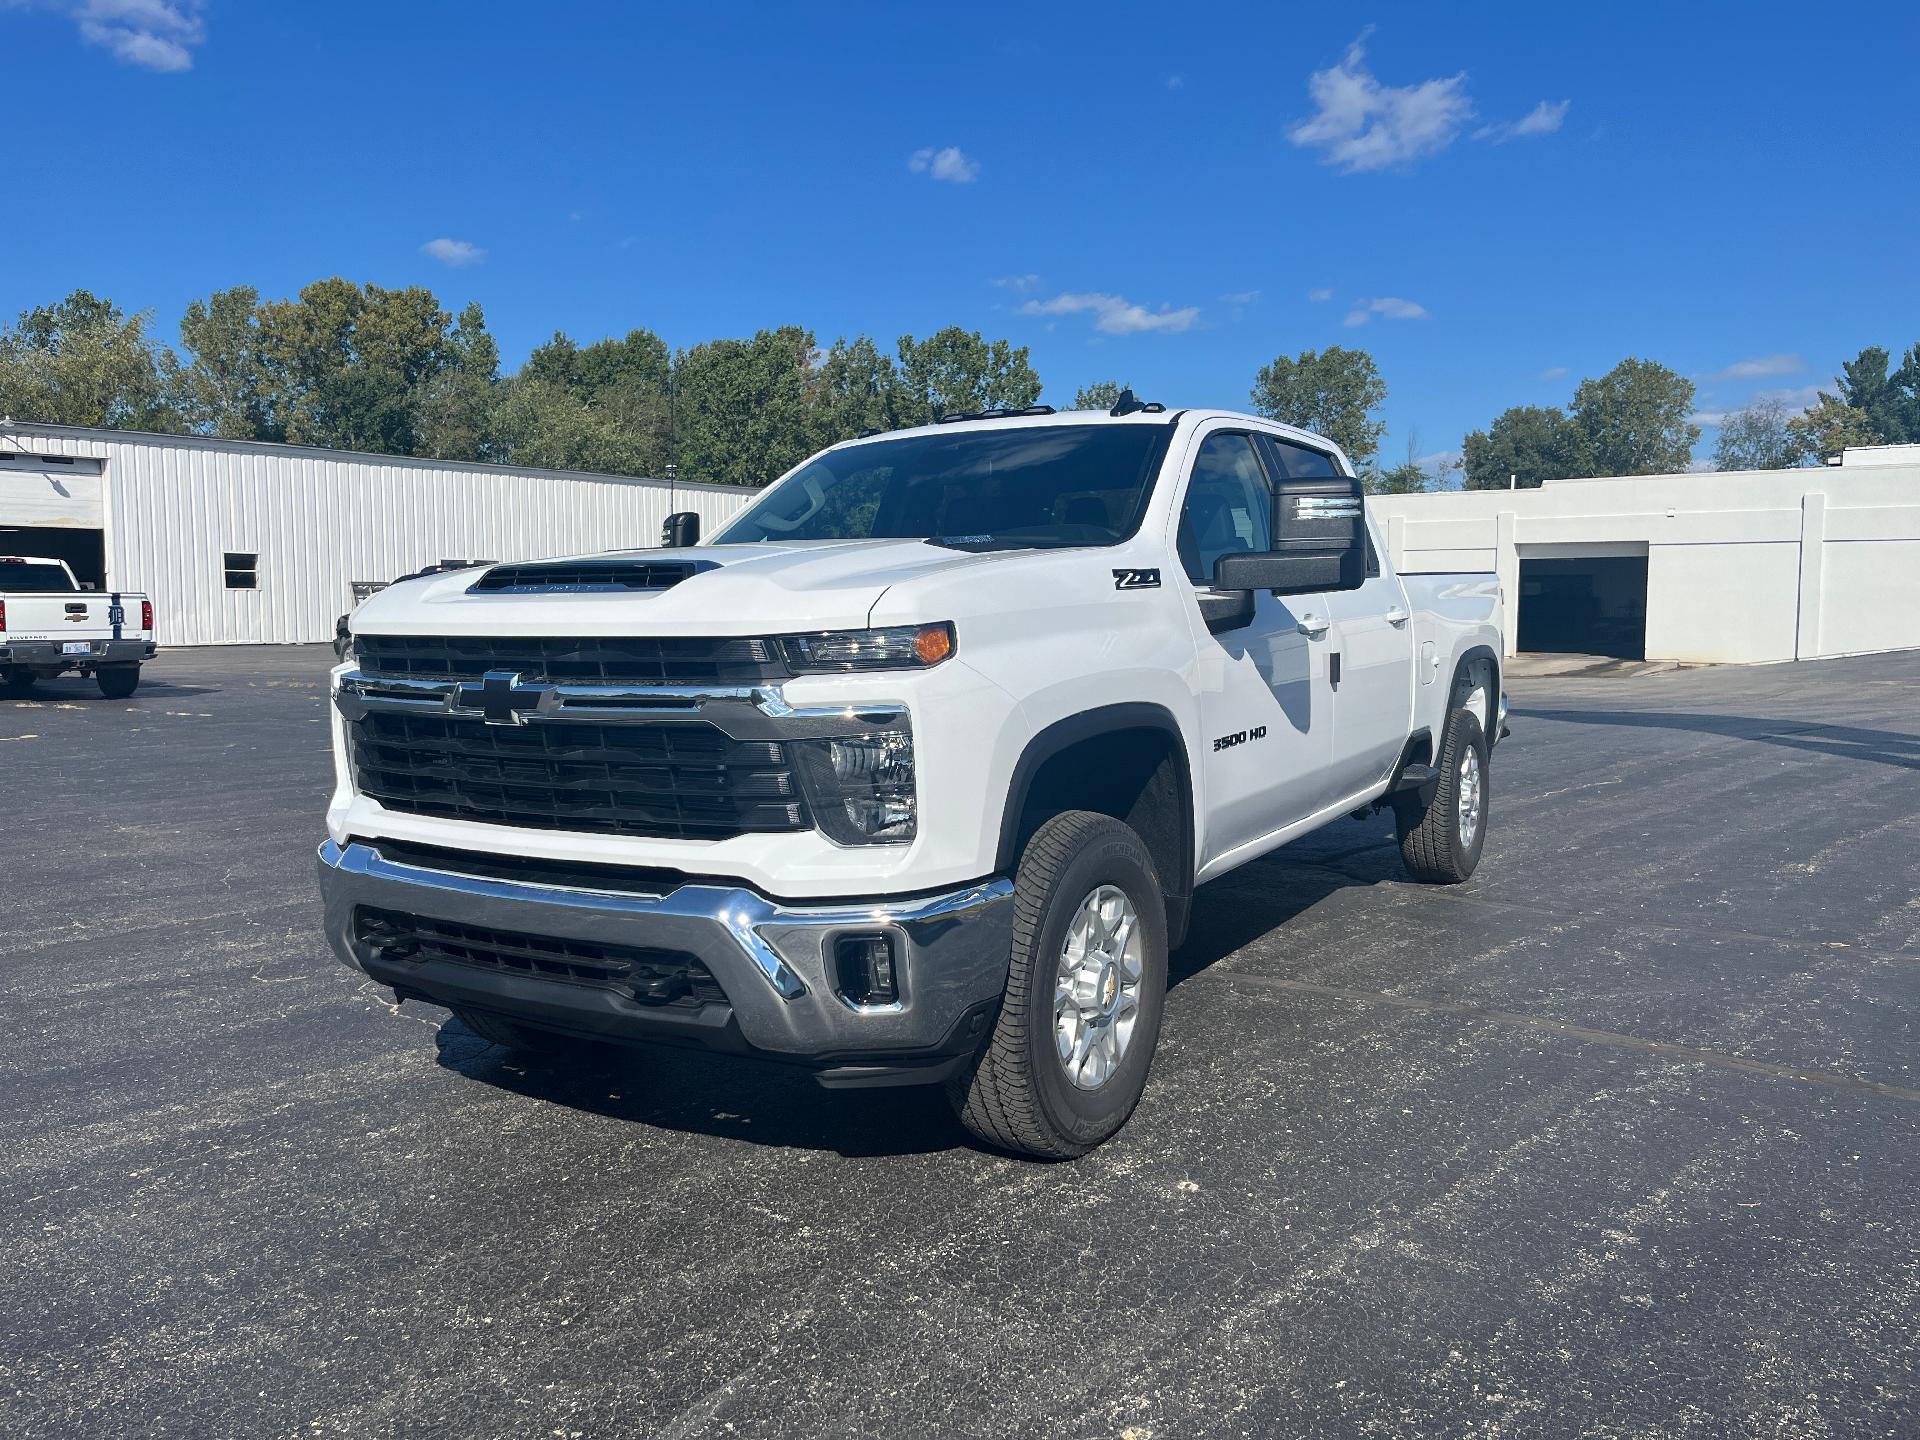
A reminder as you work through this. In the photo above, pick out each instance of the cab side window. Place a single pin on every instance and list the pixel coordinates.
(1229, 506)
(1297, 462)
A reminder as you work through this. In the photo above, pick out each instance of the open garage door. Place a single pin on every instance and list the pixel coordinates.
(85, 551)
(1584, 605)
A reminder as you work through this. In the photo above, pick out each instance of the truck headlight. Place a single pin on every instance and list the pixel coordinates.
(892, 647)
(860, 787)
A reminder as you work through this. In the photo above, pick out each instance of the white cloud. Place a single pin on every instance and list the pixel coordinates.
(1554, 372)
(1360, 124)
(1795, 400)
(1390, 307)
(1760, 367)
(950, 163)
(1241, 297)
(457, 253)
(153, 34)
(1174, 82)
(1319, 293)
(1020, 284)
(1543, 119)
(1114, 314)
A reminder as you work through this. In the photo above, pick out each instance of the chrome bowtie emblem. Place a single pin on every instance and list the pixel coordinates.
(499, 697)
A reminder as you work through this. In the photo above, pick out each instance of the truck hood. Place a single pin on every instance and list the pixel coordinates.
(733, 590)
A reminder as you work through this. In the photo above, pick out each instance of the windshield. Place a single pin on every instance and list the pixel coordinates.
(30, 576)
(1044, 485)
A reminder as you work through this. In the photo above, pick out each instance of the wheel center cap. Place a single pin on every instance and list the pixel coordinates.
(1109, 985)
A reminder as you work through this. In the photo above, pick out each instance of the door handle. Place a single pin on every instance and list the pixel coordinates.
(1312, 626)
(1397, 616)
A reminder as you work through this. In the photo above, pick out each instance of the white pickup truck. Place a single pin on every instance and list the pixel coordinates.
(911, 773)
(49, 625)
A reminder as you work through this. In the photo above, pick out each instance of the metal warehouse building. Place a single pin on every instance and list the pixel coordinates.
(244, 543)
(1737, 566)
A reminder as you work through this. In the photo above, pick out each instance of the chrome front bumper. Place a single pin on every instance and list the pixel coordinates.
(773, 960)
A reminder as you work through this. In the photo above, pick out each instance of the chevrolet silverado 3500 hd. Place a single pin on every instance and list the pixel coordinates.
(910, 773)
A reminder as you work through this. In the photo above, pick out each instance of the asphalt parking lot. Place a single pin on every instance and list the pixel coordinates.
(1622, 1137)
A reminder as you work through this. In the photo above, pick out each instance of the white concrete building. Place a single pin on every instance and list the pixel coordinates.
(241, 542)
(1740, 566)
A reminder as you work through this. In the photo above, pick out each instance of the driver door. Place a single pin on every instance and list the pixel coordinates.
(1265, 701)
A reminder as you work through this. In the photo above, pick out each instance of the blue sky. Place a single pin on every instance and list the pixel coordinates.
(1495, 201)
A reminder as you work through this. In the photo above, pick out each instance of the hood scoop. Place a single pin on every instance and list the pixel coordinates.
(573, 577)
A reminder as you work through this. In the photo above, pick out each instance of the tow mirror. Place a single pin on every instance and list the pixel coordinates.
(681, 530)
(1320, 542)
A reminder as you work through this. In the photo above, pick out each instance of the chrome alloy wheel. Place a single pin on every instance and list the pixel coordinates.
(1096, 989)
(1473, 795)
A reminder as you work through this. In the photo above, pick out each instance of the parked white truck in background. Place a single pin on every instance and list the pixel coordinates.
(911, 772)
(49, 625)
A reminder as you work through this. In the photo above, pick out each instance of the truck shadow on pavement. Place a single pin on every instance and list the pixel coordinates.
(735, 1098)
(85, 692)
(766, 1103)
(1846, 742)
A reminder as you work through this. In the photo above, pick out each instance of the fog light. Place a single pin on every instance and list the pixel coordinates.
(864, 966)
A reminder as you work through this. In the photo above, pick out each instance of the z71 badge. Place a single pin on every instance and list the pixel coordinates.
(1136, 579)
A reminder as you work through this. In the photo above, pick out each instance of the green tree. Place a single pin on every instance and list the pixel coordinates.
(1532, 444)
(1635, 419)
(1333, 392)
(82, 362)
(224, 387)
(958, 370)
(745, 410)
(536, 422)
(1759, 437)
(454, 408)
(1100, 395)
(1409, 477)
(1829, 428)
(346, 362)
(859, 390)
(1884, 403)
(624, 382)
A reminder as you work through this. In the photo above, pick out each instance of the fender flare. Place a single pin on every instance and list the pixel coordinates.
(1062, 735)
(1466, 657)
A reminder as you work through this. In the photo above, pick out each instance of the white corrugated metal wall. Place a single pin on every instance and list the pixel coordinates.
(320, 519)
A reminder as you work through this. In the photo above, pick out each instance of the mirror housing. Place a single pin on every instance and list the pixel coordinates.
(681, 530)
(1320, 542)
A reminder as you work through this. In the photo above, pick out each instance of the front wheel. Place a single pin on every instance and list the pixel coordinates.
(116, 682)
(1441, 840)
(1086, 986)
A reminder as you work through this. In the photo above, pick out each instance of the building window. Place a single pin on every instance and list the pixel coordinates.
(243, 571)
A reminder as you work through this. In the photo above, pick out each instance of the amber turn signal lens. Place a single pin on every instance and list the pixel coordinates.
(933, 644)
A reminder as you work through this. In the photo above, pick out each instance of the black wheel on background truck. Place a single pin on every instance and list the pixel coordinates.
(1069, 1054)
(1441, 838)
(117, 681)
(15, 684)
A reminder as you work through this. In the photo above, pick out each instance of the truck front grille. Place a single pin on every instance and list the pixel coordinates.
(676, 780)
(653, 977)
(590, 660)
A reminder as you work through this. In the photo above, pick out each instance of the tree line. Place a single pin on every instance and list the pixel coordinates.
(360, 367)
(1636, 420)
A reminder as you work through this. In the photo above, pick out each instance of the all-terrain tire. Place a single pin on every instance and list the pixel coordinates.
(524, 1039)
(1431, 842)
(116, 682)
(1017, 1096)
